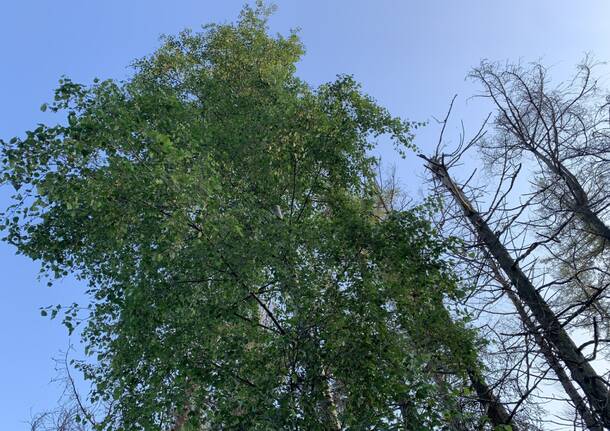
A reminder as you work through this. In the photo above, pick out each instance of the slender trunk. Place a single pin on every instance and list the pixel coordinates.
(454, 422)
(592, 422)
(494, 409)
(182, 415)
(181, 418)
(581, 370)
(580, 206)
(329, 406)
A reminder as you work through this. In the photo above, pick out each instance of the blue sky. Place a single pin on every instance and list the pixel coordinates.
(412, 56)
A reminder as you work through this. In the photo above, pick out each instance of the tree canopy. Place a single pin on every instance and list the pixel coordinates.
(242, 268)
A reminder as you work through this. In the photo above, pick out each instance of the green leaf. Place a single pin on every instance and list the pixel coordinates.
(198, 289)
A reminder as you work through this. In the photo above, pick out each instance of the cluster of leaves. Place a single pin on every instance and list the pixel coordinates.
(225, 216)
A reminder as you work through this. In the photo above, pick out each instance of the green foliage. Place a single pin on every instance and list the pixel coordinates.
(224, 215)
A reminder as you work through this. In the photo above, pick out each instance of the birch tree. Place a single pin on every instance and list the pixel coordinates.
(223, 214)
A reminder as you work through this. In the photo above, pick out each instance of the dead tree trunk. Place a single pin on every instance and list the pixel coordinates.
(592, 422)
(580, 204)
(495, 410)
(581, 370)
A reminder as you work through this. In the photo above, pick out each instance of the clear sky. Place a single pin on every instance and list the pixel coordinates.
(412, 56)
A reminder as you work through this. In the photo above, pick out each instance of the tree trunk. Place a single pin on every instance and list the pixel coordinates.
(495, 410)
(580, 205)
(592, 422)
(581, 370)
(329, 407)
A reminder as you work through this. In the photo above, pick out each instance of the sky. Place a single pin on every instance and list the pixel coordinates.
(411, 56)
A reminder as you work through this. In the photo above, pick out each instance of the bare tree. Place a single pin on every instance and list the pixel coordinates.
(591, 383)
(518, 244)
(563, 131)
